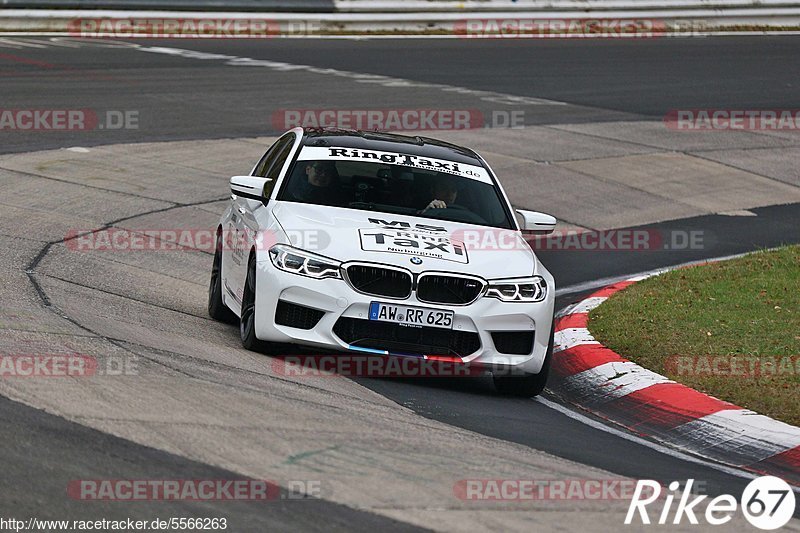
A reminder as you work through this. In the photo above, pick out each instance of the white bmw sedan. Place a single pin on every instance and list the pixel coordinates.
(389, 245)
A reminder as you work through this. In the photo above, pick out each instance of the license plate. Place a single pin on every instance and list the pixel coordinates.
(411, 316)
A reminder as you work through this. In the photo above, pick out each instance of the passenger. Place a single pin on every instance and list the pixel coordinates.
(444, 193)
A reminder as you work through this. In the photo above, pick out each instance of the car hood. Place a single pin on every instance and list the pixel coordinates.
(417, 244)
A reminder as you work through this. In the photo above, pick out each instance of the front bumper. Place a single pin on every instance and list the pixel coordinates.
(338, 300)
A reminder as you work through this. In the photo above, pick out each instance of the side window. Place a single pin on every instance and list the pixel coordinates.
(262, 166)
(280, 158)
(266, 162)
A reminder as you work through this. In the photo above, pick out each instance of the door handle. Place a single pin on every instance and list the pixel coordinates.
(241, 210)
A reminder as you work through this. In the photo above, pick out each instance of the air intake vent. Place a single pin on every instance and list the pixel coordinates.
(513, 342)
(297, 316)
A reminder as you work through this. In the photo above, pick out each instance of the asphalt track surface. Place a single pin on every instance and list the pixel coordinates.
(179, 98)
(44, 453)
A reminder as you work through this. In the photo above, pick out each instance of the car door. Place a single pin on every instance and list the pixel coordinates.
(243, 228)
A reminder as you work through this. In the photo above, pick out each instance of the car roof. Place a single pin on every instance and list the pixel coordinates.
(391, 142)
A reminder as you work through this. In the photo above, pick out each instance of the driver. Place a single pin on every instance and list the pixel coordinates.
(319, 185)
(444, 193)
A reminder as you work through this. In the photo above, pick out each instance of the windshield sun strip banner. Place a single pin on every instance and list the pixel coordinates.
(334, 153)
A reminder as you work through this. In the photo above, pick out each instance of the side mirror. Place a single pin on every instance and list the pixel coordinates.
(535, 222)
(252, 187)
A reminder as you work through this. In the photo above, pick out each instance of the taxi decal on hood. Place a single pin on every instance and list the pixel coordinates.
(408, 241)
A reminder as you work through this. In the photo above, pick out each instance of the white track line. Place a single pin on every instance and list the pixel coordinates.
(574, 415)
(357, 77)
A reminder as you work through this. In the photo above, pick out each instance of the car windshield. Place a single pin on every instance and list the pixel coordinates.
(395, 183)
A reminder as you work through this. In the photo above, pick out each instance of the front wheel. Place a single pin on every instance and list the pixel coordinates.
(527, 385)
(216, 307)
(247, 323)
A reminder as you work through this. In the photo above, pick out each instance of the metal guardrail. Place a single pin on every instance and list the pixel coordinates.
(532, 6)
(397, 6)
(464, 18)
(273, 6)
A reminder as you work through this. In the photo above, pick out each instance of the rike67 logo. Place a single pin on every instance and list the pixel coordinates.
(767, 502)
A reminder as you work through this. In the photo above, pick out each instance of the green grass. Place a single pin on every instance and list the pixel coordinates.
(747, 307)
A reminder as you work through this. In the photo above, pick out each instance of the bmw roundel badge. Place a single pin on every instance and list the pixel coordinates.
(416, 260)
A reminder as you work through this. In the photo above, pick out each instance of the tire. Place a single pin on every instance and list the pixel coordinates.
(527, 385)
(247, 323)
(216, 307)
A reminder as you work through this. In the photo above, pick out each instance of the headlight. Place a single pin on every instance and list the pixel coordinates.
(304, 263)
(518, 290)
